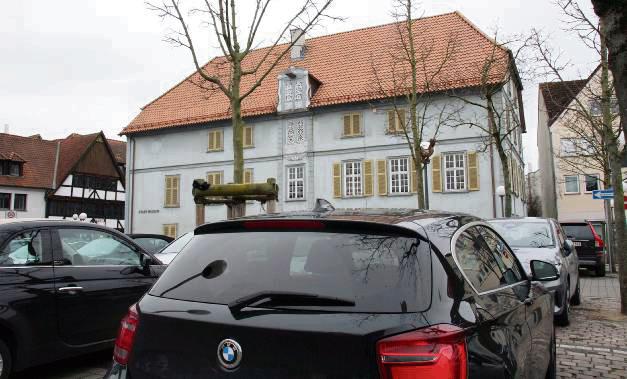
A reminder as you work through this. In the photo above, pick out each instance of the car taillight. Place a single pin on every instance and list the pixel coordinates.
(126, 335)
(434, 352)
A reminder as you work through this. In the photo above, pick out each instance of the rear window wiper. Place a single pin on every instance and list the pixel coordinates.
(288, 298)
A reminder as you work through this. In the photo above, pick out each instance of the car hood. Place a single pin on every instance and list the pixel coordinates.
(527, 254)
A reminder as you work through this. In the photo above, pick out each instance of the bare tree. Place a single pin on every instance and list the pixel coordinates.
(500, 112)
(225, 74)
(410, 82)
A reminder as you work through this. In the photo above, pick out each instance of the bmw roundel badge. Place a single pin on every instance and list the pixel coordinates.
(229, 354)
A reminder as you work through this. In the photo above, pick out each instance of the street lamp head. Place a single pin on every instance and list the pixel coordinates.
(82, 216)
(500, 190)
(75, 217)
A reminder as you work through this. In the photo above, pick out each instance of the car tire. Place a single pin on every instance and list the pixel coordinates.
(6, 360)
(576, 299)
(600, 270)
(563, 319)
(551, 372)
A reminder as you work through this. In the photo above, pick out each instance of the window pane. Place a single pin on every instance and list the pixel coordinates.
(19, 202)
(381, 273)
(477, 262)
(512, 272)
(5, 200)
(572, 183)
(86, 247)
(24, 249)
(592, 183)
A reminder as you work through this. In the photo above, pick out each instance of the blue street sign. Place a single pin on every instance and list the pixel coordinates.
(605, 194)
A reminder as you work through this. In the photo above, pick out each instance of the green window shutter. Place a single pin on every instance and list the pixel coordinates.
(337, 179)
(347, 125)
(473, 171)
(356, 124)
(368, 180)
(382, 180)
(436, 173)
(391, 122)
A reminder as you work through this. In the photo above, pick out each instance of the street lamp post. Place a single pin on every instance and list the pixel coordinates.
(500, 190)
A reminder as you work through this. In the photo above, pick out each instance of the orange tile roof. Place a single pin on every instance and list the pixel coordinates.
(343, 64)
(39, 157)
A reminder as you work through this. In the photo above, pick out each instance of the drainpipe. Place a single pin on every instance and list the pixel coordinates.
(553, 178)
(492, 181)
(131, 198)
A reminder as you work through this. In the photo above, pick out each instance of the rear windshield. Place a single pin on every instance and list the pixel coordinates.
(525, 234)
(381, 273)
(578, 231)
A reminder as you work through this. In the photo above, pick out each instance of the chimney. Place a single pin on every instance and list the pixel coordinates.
(298, 47)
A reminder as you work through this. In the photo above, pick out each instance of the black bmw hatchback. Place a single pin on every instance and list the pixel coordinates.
(64, 285)
(343, 294)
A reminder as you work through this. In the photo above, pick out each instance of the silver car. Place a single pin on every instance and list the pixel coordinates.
(543, 239)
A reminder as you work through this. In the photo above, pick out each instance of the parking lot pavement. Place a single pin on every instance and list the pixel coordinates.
(594, 345)
(93, 366)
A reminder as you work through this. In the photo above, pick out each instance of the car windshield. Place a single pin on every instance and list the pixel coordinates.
(151, 244)
(578, 231)
(524, 233)
(380, 273)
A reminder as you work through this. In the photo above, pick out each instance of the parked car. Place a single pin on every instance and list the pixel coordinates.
(543, 239)
(381, 294)
(65, 286)
(167, 254)
(151, 242)
(590, 246)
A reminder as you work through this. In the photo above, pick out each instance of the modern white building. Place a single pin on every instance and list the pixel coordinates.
(318, 126)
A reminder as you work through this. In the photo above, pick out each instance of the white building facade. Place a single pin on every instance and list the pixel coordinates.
(346, 153)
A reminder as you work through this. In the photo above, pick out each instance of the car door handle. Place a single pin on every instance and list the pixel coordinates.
(71, 290)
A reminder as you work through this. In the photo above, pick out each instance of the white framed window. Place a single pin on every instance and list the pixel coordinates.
(353, 178)
(571, 183)
(399, 175)
(592, 182)
(296, 182)
(455, 172)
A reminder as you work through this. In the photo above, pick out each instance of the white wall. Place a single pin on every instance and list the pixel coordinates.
(35, 202)
(184, 152)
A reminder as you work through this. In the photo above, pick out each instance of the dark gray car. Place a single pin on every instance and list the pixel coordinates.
(543, 239)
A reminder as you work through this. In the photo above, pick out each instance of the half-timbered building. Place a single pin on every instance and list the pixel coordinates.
(62, 178)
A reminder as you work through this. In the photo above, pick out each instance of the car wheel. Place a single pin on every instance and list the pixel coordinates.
(5, 360)
(600, 270)
(563, 319)
(576, 299)
(551, 372)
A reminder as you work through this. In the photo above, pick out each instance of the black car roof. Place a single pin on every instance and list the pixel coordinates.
(432, 221)
(21, 225)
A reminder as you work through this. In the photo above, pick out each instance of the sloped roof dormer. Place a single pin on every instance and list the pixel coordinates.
(296, 88)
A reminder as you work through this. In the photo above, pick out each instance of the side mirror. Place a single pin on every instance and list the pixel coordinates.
(543, 271)
(569, 246)
(145, 260)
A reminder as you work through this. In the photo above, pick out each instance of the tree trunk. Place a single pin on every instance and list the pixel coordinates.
(237, 210)
(420, 191)
(619, 221)
(495, 135)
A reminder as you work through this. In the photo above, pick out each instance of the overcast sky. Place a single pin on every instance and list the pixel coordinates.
(88, 65)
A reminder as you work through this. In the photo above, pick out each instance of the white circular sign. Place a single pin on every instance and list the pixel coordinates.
(11, 214)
